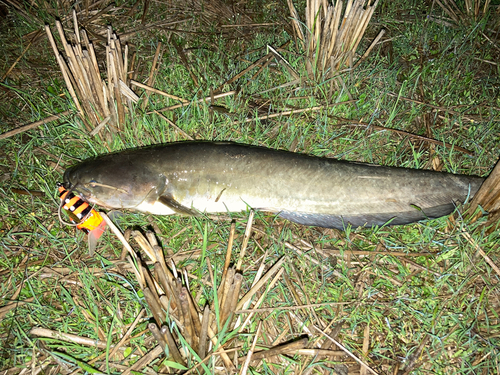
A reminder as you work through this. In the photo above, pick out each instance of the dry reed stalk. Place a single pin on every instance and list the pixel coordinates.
(68, 337)
(176, 128)
(172, 346)
(153, 328)
(187, 321)
(258, 275)
(144, 360)
(473, 9)
(246, 364)
(94, 99)
(144, 244)
(259, 62)
(286, 348)
(224, 287)
(223, 354)
(195, 315)
(229, 250)
(154, 306)
(33, 125)
(184, 59)
(163, 278)
(260, 283)
(229, 290)
(233, 298)
(151, 283)
(258, 303)
(169, 298)
(156, 91)
(366, 344)
(152, 74)
(488, 196)
(202, 350)
(205, 100)
(246, 238)
(331, 34)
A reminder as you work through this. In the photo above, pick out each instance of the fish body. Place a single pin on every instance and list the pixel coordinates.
(212, 177)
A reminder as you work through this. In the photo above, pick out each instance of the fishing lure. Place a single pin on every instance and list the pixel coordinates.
(81, 215)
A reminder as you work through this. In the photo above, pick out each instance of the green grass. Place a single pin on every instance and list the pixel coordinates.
(426, 314)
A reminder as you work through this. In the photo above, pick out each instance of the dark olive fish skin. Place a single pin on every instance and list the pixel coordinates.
(193, 177)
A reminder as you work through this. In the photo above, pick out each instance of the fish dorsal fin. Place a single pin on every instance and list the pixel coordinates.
(169, 201)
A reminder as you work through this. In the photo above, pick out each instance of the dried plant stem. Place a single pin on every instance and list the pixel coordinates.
(37, 34)
(348, 352)
(481, 252)
(244, 368)
(332, 34)
(189, 332)
(153, 328)
(230, 299)
(258, 303)
(224, 289)
(156, 91)
(152, 73)
(143, 362)
(203, 100)
(488, 195)
(154, 305)
(171, 123)
(260, 61)
(33, 125)
(144, 244)
(225, 358)
(43, 332)
(229, 250)
(202, 351)
(94, 99)
(261, 282)
(246, 238)
(172, 345)
(287, 348)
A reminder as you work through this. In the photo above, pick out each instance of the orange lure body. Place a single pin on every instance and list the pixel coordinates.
(79, 211)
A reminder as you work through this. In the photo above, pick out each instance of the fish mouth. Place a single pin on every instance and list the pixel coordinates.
(78, 189)
(69, 183)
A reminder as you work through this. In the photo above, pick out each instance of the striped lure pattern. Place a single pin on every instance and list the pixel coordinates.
(79, 211)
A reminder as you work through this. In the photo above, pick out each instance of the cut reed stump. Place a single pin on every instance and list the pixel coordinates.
(228, 334)
(184, 332)
(99, 101)
(488, 197)
(331, 33)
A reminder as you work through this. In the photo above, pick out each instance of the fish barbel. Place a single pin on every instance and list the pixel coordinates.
(210, 177)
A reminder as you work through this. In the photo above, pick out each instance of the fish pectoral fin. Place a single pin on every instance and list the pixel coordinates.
(175, 206)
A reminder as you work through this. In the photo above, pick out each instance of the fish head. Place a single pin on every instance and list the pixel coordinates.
(115, 184)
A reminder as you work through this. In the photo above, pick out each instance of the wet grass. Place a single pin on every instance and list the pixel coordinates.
(436, 312)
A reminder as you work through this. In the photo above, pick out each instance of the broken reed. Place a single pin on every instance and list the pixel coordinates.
(473, 10)
(97, 101)
(330, 39)
(488, 197)
(178, 321)
(165, 292)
